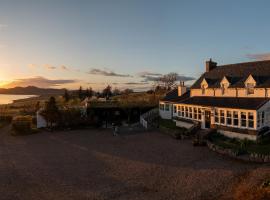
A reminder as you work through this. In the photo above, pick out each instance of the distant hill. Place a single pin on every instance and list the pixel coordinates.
(31, 90)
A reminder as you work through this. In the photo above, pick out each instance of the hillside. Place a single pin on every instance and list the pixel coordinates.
(31, 90)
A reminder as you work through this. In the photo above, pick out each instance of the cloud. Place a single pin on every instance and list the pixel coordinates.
(96, 71)
(260, 56)
(146, 73)
(152, 76)
(63, 67)
(135, 83)
(39, 81)
(50, 67)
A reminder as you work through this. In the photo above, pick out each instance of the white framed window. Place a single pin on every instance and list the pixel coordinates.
(263, 118)
(161, 106)
(222, 117)
(229, 118)
(167, 107)
(223, 88)
(186, 111)
(235, 118)
(216, 117)
(203, 89)
(250, 120)
(195, 113)
(199, 113)
(243, 119)
(179, 110)
(250, 88)
(182, 111)
(258, 119)
(174, 109)
(190, 112)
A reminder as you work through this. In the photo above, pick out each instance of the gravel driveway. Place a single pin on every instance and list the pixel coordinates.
(93, 164)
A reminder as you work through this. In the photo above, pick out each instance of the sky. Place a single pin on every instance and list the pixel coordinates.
(125, 43)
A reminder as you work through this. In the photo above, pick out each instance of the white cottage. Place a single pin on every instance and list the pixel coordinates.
(234, 99)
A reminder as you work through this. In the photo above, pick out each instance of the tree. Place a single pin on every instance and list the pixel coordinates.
(116, 92)
(167, 81)
(107, 92)
(80, 93)
(37, 106)
(66, 95)
(89, 92)
(127, 91)
(51, 112)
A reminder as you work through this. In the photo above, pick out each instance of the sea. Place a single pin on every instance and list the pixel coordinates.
(9, 98)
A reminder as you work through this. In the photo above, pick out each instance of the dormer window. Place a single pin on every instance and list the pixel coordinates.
(204, 85)
(203, 89)
(222, 89)
(224, 84)
(250, 88)
(250, 84)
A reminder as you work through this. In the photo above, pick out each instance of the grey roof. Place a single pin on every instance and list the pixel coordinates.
(237, 74)
(227, 102)
(172, 96)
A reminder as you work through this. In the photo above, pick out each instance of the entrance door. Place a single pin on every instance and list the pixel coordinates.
(207, 122)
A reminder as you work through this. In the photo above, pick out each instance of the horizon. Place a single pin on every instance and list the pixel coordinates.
(125, 44)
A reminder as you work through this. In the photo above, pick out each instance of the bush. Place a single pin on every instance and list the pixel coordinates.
(6, 118)
(22, 125)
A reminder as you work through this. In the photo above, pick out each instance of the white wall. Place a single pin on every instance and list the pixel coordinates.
(230, 92)
(166, 114)
(41, 122)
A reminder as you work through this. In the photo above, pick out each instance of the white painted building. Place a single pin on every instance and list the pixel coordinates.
(234, 99)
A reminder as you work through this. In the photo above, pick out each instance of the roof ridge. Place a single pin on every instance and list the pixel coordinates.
(241, 63)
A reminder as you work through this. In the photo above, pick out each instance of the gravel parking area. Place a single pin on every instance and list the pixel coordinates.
(93, 164)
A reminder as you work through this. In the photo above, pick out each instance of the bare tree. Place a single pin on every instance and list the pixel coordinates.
(167, 81)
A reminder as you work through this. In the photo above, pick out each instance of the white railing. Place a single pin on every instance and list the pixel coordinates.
(146, 117)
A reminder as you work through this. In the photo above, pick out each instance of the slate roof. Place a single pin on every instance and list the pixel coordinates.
(237, 75)
(172, 96)
(227, 102)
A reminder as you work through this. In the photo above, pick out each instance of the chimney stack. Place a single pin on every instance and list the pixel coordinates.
(209, 65)
(182, 88)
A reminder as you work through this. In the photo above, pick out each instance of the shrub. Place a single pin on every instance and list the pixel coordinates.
(22, 125)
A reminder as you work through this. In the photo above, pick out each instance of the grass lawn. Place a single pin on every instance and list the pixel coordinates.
(167, 123)
(245, 146)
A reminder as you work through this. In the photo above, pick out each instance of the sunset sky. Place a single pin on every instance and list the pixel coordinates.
(125, 43)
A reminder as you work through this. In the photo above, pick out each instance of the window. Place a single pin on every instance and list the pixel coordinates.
(262, 118)
(235, 118)
(183, 111)
(167, 107)
(250, 120)
(222, 117)
(223, 89)
(179, 111)
(243, 119)
(174, 109)
(216, 117)
(203, 89)
(258, 119)
(190, 112)
(161, 106)
(199, 113)
(195, 113)
(229, 118)
(250, 88)
(186, 111)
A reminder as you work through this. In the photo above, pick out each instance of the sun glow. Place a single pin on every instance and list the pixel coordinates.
(3, 83)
